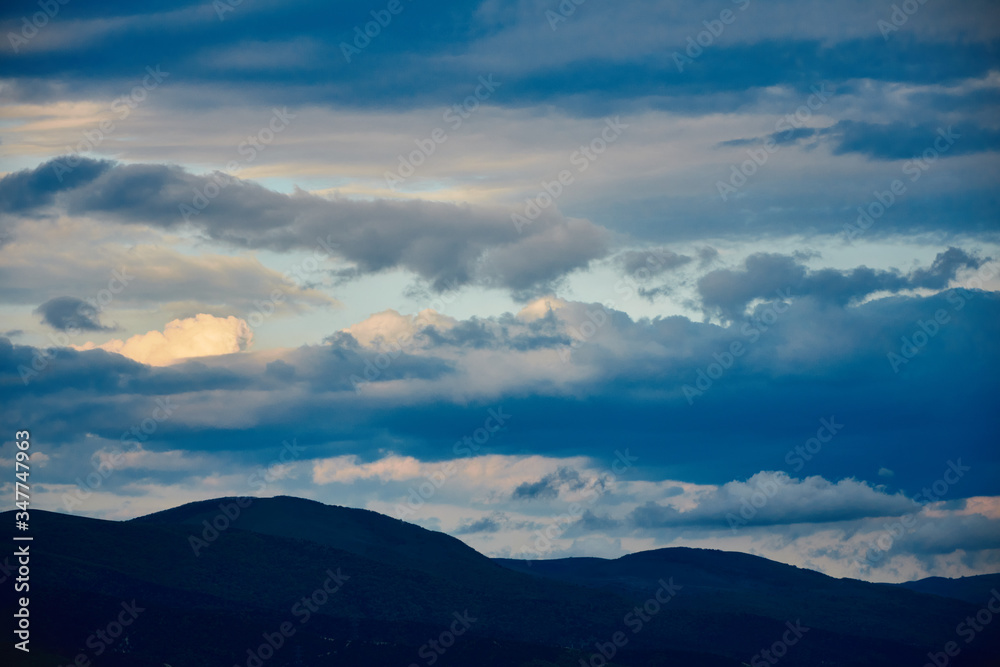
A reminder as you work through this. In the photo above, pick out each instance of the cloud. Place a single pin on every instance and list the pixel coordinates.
(490, 477)
(611, 384)
(534, 327)
(128, 268)
(707, 255)
(548, 486)
(645, 263)
(601, 56)
(775, 498)
(904, 141)
(446, 244)
(389, 329)
(68, 312)
(773, 277)
(888, 141)
(535, 262)
(487, 524)
(348, 468)
(33, 189)
(944, 269)
(200, 336)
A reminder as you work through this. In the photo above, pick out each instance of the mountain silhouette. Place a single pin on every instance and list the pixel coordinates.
(361, 532)
(976, 589)
(287, 581)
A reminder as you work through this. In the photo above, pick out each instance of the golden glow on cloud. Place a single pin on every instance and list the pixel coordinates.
(390, 327)
(199, 336)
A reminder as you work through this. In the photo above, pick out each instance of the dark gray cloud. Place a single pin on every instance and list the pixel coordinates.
(493, 523)
(645, 263)
(280, 370)
(764, 274)
(903, 141)
(784, 137)
(32, 189)
(444, 244)
(943, 535)
(488, 524)
(707, 255)
(890, 141)
(532, 265)
(776, 277)
(549, 485)
(505, 332)
(770, 498)
(946, 265)
(68, 313)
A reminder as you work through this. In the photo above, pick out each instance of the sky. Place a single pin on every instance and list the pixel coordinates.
(567, 278)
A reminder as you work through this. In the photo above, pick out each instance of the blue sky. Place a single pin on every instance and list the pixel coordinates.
(555, 278)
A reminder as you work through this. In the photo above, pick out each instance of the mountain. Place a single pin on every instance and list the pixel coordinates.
(977, 589)
(738, 583)
(361, 532)
(211, 583)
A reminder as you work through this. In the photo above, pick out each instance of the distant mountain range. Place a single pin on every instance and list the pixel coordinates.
(276, 582)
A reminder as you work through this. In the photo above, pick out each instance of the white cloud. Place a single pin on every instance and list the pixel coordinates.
(389, 328)
(199, 336)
